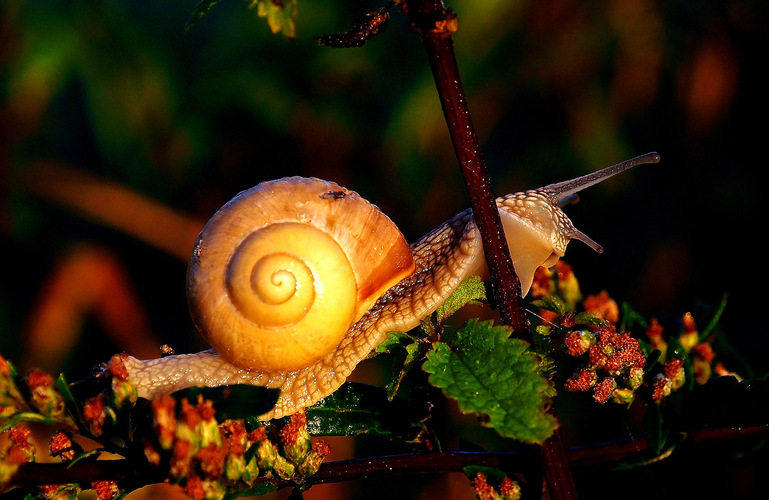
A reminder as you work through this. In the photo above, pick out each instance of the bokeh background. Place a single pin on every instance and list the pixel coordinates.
(121, 133)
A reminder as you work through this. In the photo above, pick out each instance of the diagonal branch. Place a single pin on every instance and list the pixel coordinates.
(436, 24)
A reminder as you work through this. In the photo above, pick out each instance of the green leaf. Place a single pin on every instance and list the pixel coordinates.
(280, 15)
(357, 408)
(255, 491)
(66, 393)
(30, 417)
(652, 358)
(631, 318)
(491, 374)
(394, 342)
(655, 429)
(471, 290)
(71, 403)
(86, 456)
(714, 320)
(428, 325)
(492, 474)
(406, 351)
(552, 303)
(201, 10)
(233, 401)
(588, 319)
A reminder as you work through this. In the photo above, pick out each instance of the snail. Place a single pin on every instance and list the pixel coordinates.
(258, 293)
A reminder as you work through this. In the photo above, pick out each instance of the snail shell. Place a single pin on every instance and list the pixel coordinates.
(258, 308)
(280, 272)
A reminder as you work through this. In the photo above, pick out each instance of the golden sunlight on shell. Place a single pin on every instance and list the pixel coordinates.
(282, 271)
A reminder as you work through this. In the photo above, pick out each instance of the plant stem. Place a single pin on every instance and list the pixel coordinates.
(557, 468)
(419, 463)
(435, 24)
(603, 455)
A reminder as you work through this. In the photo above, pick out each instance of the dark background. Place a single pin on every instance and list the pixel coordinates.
(558, 88)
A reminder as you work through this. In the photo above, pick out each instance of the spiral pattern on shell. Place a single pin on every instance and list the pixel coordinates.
(282, 271)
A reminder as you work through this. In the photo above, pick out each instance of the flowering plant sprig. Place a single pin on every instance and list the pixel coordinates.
(616, 365)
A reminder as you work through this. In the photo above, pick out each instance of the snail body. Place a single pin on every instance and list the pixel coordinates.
(258, 292)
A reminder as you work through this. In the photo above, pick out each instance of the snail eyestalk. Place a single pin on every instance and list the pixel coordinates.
(563, 191)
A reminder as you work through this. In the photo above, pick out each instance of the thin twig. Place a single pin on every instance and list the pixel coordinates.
(602, 454)
(435, 24)
(416, 463)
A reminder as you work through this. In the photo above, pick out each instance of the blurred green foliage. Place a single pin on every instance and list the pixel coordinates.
(557, 88)
(121, 90)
